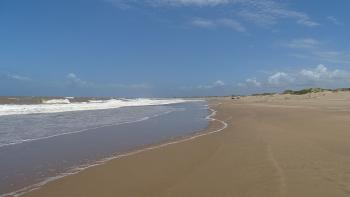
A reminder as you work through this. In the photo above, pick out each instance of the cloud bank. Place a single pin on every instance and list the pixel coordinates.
(317, 76)
(314, 49)
(223, 22)
(259, 12)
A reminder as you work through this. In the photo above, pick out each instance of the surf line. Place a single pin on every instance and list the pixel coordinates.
(88, 129)
(36, 186)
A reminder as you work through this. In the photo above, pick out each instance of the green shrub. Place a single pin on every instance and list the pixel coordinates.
(304, 91)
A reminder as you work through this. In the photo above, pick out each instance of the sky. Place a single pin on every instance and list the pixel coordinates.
(166, 48)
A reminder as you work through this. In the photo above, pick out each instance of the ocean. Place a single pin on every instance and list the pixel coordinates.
(54, 138)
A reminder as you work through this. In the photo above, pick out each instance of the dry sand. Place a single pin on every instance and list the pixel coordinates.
(279, 145)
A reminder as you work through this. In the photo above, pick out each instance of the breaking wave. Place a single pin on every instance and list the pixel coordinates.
(64, 105)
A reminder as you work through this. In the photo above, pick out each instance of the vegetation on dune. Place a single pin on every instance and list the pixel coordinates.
(295, 92)
(305, 91)
(264, 94)
(341, 89)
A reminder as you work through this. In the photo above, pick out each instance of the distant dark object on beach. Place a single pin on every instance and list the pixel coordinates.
(233, 97)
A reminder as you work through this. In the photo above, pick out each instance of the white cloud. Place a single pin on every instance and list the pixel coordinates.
(333, 56)
(199, 22)
(269, 12)
(306, 21)
(14, 77)
(314, 74)
(314, 49)
(192, 2)
(317, 76)
(215, 84)
(157, 3)
(74, 79)
(280, 78)
(230, 23)
(219, 83)
(303, 43)
(122, 4)
(261, 12)
(322, 73)
(18, 77)
(250, 82)
(224, 22)
(334, 20)
(253, 82)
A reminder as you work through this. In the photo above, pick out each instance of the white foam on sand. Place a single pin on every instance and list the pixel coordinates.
(63, 105)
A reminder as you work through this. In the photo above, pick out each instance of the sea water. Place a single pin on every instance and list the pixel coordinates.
(37, 146)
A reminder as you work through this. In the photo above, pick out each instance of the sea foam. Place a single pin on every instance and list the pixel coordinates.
(57, 101)
(63, 105)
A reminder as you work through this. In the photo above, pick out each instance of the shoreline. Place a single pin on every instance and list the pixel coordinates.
(79, 169)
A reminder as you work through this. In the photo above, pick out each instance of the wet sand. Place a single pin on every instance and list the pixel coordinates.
(280, 145)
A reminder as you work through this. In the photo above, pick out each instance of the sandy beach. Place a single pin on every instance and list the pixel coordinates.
(276, 145)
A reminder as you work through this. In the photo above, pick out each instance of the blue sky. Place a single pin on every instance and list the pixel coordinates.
(161, 48)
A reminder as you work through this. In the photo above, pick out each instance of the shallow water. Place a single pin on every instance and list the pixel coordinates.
(20, 128)
(101, 134)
